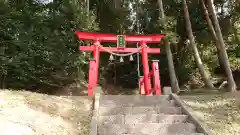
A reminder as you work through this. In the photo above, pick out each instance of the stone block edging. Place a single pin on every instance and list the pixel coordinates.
(94, 122)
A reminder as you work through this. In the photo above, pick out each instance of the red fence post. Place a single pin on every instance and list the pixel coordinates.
(156, 77)
(91, 77)
(96, 55)
(141, 82)
(147, 81)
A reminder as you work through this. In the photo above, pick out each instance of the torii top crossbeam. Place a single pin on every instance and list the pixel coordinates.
(153, 38)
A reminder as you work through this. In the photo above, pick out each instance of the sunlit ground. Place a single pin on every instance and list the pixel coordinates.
(221, 112)
(36, 114)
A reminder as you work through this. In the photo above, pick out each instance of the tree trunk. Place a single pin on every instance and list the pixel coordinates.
(161, 10)
(87, 6)
(231, 82)
(211, 28)
(200, 65)
(173, 78)
(2, 81)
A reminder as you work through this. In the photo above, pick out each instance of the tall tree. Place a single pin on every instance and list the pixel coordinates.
(197, 57)
(87, 3)
(173, 78)
(211, 28)
(231, 82)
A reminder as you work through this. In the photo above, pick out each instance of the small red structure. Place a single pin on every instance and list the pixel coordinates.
(143, 40)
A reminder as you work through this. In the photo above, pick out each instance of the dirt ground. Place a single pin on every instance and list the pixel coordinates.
(221, 112)
(37, 114)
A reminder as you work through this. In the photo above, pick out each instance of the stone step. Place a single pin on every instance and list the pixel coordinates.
(183, 134)
(167, 134)
(125, 100)
(109, 103)
(142, 118)
(146, 129)
(112, 110)
(134, 97)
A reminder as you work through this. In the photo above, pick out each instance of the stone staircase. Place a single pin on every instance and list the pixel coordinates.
(143, 115)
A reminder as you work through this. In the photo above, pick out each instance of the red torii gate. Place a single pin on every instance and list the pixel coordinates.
(143, 40)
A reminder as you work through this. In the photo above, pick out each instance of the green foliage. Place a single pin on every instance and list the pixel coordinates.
(38, 46)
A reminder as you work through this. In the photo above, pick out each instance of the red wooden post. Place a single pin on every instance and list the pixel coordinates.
(147, 81)
(150, 74)
(91, 77)
(141, 82)
(96, 55)
(156, 77)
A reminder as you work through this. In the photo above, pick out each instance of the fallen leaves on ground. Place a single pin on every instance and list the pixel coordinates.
(41, 114)
(221, 112)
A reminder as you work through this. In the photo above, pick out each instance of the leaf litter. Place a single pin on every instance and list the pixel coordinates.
(40, 114)
(221, 112)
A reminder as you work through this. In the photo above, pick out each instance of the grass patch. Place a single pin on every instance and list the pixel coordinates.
(46, 114)
(220, 111)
